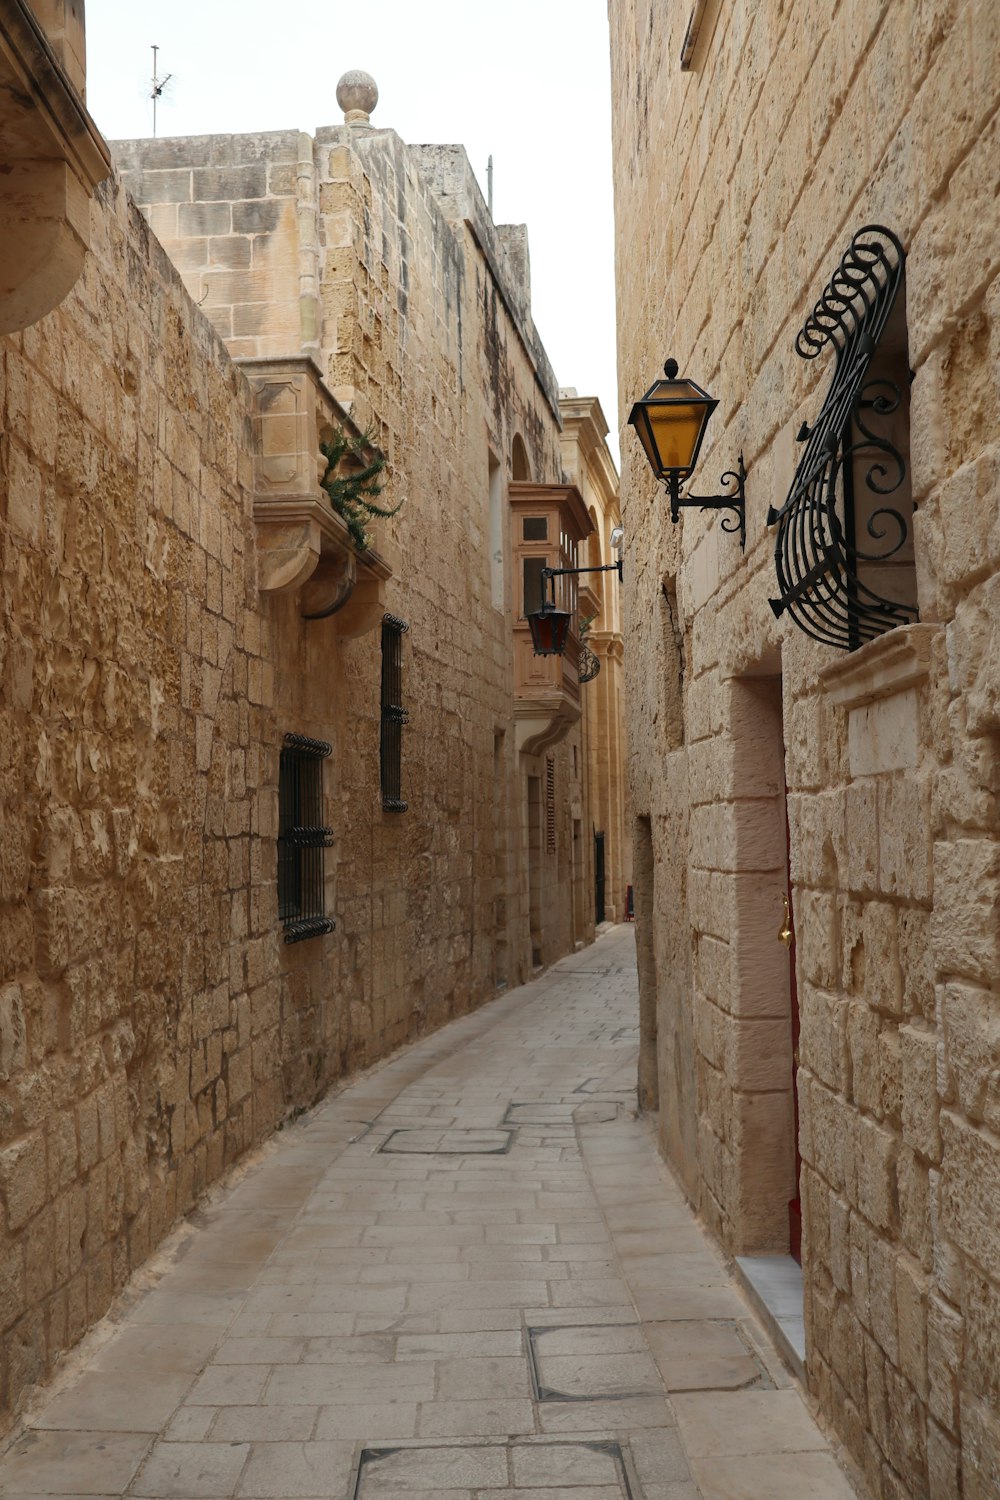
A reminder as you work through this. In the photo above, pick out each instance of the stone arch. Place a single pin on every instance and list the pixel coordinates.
(520, 468)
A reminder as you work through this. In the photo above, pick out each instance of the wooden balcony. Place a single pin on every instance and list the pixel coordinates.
(548, 522)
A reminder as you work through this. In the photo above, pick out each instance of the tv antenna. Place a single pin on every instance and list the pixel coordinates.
(159, 84)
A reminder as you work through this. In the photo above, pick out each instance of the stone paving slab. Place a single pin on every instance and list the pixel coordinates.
(468, 1275)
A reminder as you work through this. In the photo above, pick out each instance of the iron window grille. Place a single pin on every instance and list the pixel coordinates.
(302, 838)
(550, 805)
(394, 715)
(843, 553)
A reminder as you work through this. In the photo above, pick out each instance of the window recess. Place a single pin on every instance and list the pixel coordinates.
(844, 548)
(302, 838)
(394, 715)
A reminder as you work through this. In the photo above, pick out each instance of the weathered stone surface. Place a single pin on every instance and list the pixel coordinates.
(153, 1024)
(889, 752)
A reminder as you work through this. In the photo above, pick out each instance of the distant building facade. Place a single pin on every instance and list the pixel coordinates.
(588, 463)
(268, 808)
(807, 213)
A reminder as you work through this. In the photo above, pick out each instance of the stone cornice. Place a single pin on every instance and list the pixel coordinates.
(889, 664)
(27, 52)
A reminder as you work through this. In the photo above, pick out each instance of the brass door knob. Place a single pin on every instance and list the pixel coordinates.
(785, 935)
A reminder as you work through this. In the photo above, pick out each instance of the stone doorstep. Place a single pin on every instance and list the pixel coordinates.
(773, 1285)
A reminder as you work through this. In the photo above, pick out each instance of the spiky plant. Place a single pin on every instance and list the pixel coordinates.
(353, 493)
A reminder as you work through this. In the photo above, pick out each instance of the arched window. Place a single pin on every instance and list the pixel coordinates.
(519, 466)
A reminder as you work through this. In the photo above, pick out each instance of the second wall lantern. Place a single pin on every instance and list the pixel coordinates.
(549, 625)
(670, 420)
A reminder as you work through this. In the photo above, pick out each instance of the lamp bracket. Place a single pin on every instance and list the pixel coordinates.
(735, 501)
(549, 573)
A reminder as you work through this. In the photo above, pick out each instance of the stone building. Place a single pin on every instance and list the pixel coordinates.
(816, 718)
(224, 726)
(588, 463)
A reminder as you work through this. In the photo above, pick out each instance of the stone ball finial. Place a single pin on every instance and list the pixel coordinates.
(357, 95)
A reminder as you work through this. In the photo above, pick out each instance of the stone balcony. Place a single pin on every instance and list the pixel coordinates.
(303, 546)
(54, 157)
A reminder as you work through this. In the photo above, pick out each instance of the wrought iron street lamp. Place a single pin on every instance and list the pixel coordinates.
(671, 420)
(549, 626)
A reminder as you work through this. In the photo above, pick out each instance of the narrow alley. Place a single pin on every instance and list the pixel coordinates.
(466, 1274)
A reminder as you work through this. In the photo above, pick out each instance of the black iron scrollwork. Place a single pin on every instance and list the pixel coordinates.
(590, 664)
(817, 557)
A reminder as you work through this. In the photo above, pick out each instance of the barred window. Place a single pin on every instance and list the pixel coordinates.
(394, 715)
(302, 838)
(550, 805)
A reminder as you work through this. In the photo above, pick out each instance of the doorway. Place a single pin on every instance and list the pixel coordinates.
(535, 869)
(760, 1069)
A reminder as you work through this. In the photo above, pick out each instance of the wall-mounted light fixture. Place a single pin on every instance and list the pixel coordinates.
(671, 420)
(549, 626)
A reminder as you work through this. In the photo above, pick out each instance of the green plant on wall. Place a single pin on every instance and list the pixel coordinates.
(354, 492)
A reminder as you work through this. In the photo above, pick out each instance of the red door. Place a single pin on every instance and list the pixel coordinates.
(788, 938)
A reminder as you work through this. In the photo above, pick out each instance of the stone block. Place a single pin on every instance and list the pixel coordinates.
(970, 1182)
(920, 1098)
(817, 936)
(840, 1242)
(911, 1310)
(823, 1026)
(862, 837)
(826, 1123)
(916, 961)
(890, 1075)
(885, 736)
(969, 1050)
(913, 1178)
(229, 184)
(12, 1285)
(166, 185)
(847, 1349)
(882, 1313)
(904, 837)
(13, 1032)
(23, 1178)
(980, 1439)
(200, 220)
(883, 979)
(965, 927)
(971, 1347)
(264, 216)
(944, 1464)
(872, 1172)
(860, 1241)
(863, 1028)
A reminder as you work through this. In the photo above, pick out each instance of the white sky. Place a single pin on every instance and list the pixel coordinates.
(528, 82)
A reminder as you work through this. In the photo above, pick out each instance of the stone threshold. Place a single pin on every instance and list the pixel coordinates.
(773, 1284)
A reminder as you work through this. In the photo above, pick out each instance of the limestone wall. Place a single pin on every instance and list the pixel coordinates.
(153, 1024)
(739, 184)
(136, 756)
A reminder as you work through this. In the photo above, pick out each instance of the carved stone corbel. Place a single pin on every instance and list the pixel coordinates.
(302, 544)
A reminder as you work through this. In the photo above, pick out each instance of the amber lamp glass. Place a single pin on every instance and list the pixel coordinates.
(671, 419)
(549, 628)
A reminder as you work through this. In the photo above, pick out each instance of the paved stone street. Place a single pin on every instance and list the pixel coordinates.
(466, 1275)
